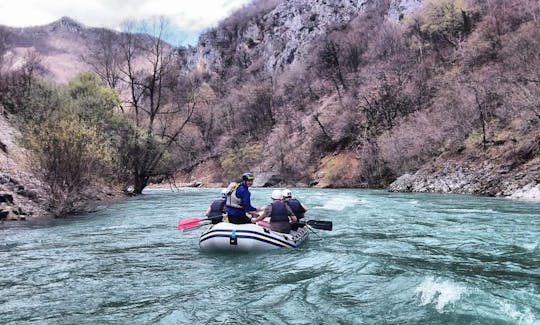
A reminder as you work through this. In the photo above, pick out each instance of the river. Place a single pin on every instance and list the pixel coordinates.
(392, 258)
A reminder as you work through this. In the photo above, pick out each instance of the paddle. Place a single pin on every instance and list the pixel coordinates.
(192, 222)
(202, 224)
(313, 231)
(320, 224)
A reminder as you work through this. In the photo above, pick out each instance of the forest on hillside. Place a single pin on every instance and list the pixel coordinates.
(454, 77)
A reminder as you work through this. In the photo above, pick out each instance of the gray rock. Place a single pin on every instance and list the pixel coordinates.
(404, 183)
(6, 197)
(530, 192)
(277, 36)
(267, 179)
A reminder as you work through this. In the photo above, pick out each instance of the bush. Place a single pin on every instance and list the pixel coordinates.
(335, 170)
(241, 160)
(68, 132)
(445, 21)
(68, 156)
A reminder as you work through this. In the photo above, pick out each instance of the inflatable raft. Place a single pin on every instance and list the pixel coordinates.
(228, 237)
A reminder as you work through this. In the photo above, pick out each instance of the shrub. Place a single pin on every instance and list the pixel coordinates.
(238, 161)
(68, 156)
(335, 169)
(445, 21)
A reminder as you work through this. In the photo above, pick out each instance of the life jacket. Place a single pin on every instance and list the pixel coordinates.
(233, 200)
(216, 208)
(279, 212)
(296, 207)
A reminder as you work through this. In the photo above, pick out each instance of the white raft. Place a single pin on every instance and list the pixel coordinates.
(228, 237)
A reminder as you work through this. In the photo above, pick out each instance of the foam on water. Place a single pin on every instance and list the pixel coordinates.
(521, 317)
(470, 211)
(531, 247)
(340, 203)
(439, 292)
(391, 258)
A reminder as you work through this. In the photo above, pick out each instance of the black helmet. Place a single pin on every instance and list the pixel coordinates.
(248, 177)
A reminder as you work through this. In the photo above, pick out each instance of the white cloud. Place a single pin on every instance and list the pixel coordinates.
(190, 16)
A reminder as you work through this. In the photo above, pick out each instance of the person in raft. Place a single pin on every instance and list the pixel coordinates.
(281, 216)
(297, 208)
(216, 210)
(238, 202)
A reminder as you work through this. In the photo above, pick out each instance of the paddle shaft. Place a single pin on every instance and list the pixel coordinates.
(313, 231)
(192, 222)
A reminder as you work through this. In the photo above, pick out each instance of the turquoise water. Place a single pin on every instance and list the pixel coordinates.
(391, 259)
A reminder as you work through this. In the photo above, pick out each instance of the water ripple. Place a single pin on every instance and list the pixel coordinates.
(392, 258)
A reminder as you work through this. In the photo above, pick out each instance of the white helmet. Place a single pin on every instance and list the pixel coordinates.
(224, 193)
(277, 195)
(287, 193)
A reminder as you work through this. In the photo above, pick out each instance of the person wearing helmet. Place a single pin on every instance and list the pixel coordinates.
(216, 210)
(280, 214)
(298, 208)
(238, 202)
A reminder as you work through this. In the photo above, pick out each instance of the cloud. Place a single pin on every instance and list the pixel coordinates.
(189, 16)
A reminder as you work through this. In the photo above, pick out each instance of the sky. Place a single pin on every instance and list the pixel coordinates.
(188, 18)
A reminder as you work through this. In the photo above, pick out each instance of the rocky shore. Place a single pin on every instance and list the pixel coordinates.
(21, 195)
(486, 179)
(20, 199)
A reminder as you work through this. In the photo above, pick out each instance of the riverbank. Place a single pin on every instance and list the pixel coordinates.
(484, 176)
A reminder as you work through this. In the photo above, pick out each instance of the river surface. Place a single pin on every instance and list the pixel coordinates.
(392, 258)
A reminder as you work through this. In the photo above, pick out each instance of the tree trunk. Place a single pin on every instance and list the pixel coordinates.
(140, 182)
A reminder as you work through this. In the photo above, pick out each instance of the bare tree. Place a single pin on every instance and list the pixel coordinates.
(157, 100)
(16, 83)
(4, 39)
(105, 57)
(329, 64)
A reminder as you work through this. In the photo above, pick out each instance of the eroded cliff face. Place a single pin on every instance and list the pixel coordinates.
(22, 196)
(277, 34)
(274, 37)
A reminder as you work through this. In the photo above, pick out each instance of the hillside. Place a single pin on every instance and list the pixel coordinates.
(406, 95)
(272, 36)
(21, 196)
(360, 93)
(60, 46)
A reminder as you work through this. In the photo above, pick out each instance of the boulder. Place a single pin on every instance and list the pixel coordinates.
(267, 179)
(194, 184)
(530, 192)
(7, 212)
(404, 183)
(6, 198)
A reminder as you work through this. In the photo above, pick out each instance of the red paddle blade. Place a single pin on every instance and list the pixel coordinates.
(188, 223)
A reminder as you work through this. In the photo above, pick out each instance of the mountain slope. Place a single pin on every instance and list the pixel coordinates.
(273, 35)
(60, 46)
(401, 92)
(356, 93)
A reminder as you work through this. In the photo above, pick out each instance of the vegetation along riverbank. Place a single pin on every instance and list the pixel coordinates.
(423, 96)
